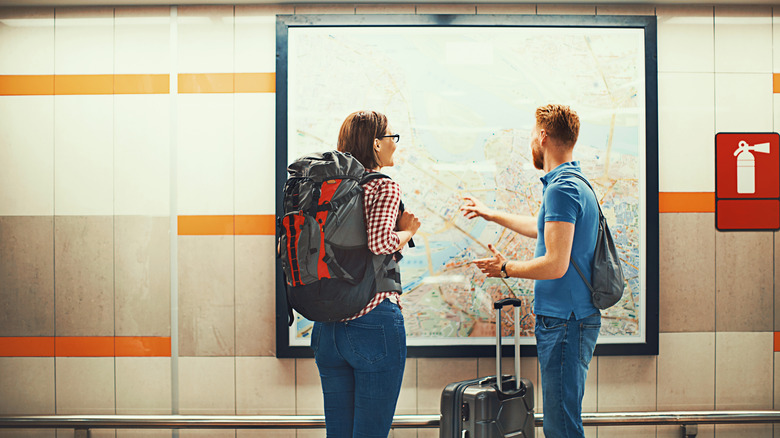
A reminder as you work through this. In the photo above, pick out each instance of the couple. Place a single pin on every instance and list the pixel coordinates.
(361, 359)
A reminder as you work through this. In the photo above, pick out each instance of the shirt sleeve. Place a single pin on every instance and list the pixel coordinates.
(381, 205)
(562, 203)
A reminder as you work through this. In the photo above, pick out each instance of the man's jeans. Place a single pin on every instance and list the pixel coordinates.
(361, 364)
(565, 348)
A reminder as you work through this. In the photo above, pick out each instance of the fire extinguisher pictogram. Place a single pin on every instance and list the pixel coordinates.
(746, 166)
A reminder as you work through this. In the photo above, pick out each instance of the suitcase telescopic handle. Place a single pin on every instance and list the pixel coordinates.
(498, 305)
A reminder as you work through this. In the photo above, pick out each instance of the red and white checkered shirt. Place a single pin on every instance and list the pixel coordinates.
(381, 200)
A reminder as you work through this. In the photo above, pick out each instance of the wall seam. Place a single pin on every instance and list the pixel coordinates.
(113, 190)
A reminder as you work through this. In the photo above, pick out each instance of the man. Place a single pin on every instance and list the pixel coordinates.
(567, 323)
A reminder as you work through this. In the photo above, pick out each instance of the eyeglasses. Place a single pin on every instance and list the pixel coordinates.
(396, 137)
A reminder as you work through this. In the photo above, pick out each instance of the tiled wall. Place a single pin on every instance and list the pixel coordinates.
(100, 188)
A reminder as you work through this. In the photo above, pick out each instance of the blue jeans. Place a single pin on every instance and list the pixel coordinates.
(565, 348)
(361, 364)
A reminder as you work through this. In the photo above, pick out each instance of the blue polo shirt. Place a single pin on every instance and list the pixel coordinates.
(566, 198)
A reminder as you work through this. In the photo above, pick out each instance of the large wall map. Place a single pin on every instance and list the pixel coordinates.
(463, 100)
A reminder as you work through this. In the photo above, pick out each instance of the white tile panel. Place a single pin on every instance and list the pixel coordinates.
(565, 9)
(83, 155)
(142, 155)
(325, 9)
(685, 38)
(28, 41)
(205, 39)
(27, 155)
(743, 102)
(84, 41)
(743, 39)
(618, 9)
(142, 43)
(255, 151)
(776, 41)
(255, 40)
(686, 132)
(205, 154)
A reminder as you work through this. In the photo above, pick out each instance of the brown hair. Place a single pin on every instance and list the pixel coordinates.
(357, 135)
(560, 122)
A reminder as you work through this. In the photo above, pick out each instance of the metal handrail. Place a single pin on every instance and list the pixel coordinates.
(399, 421)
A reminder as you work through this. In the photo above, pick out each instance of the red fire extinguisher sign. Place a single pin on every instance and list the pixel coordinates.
(747, 181)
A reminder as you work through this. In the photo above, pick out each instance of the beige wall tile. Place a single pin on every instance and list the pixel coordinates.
(744, 430)
(263, 10)
(85, 385)
(266, 433)
(144, 433)
(735, 93)
(687, 272)
(143, 276)
(214, 433)
(743, 38)
(84, 275)
(206, 296)
(430, 8)
(626, 431)
(143, 385)
(325, 9)
(745, 290)
(507, 9)
(433, 433)
(308, 389)
(548, 9)
(207, 386)
(776, 288)
(743, 370)
(26, 386)
(255, 296)
(616, 373)
(686, 122)
(434, 374)
(26, 276)
(776, 380)
(28, 433)
(264, 386)
(385, 9)
(704, 431)
(625, 9)
(407, 400)
(684, 30)
(686, 371)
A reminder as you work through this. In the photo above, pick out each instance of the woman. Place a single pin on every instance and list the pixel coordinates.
(361, 359)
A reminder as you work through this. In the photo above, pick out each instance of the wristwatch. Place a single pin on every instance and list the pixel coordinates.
(503, 270)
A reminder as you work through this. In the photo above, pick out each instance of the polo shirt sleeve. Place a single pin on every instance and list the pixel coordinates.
(562, 202)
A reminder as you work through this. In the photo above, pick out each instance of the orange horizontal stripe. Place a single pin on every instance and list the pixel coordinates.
(256, 225)
(255, 83)
(205, 225)
(226, 225)
(142, 84)
(33, 346)
(83, 84)
(206, 83)
(686, 202)
(84, 346)
(26, 85)
(776, 82)
(143, 346)
(777, 342)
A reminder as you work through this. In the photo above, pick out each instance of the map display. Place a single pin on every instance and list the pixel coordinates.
(463, 101)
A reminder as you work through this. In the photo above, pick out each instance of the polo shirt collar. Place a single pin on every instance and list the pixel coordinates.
(565, 167)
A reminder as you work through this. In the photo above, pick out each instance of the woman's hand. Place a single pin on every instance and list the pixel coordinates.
(473, 207)
(408, 222)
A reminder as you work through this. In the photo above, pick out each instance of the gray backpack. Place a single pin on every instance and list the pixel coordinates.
(606, 273)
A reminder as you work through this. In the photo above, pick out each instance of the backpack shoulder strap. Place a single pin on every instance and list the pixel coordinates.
(591, 189)
(370, 176)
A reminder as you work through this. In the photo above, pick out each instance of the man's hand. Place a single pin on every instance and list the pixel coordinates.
(475, 208)
(491, 266)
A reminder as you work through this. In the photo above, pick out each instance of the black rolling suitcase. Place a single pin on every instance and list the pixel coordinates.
(487, 407)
